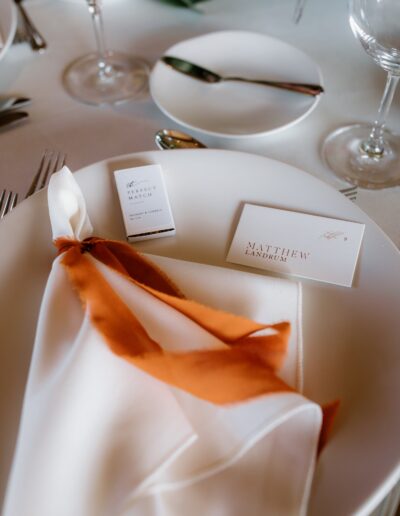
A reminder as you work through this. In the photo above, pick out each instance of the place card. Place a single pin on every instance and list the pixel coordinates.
(299, 244)
(144, 202)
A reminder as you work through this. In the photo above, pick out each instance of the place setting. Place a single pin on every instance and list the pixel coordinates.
(204, 329)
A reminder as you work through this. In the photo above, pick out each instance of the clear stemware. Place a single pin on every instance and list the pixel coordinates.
(105, 76)
(367, 154)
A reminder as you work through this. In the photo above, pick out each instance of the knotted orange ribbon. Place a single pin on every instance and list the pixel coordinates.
(244, 369)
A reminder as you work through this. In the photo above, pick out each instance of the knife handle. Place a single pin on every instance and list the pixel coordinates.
(307, 89)
(8, 118)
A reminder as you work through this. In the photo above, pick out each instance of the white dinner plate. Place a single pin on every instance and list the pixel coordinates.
(8, 25)
(232, 108)
(351, 335)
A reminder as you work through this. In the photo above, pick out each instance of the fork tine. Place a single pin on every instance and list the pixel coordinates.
(14, 201)
(8, 201)
(62, 160)
(47, 170)
(36, 177)
(350, 192)
(56, 162)
(349, 189)
(6, 198)
(50, 163)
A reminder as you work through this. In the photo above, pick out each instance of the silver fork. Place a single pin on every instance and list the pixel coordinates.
(8, 201)
(26, 31)
(51, 162)
(350, 192)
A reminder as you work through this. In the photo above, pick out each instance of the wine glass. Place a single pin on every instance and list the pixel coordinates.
(105, 76)
(368, 155)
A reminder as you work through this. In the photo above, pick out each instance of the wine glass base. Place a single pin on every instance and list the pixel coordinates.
(123, 78)
(342, 153)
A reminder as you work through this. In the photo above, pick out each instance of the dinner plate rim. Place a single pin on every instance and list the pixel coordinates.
(381, 490)
(104, 166)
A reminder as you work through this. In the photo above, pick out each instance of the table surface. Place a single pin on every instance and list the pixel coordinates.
(353, 83)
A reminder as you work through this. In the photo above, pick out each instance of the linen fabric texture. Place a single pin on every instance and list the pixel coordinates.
(111, 429)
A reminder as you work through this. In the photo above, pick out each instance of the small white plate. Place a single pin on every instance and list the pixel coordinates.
(8, 25)
(235, 109)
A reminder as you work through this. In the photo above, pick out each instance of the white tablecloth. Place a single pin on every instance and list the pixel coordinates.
(354, 85)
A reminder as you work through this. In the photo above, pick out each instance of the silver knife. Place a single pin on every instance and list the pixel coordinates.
(203, 74)
(7, 103)
(11, 117)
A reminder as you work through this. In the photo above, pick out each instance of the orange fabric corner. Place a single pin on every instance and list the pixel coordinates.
(246, 368)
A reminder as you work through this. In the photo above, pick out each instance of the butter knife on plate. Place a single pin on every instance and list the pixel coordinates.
(203, 74)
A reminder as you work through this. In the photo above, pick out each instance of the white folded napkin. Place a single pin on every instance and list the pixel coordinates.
(99, 436)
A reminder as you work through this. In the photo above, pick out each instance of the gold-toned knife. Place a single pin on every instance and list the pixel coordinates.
(203, 74)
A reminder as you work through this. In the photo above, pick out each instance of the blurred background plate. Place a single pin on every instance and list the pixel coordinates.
(235, 109)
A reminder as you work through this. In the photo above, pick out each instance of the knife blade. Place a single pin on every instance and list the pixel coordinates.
(8, 118)
(204, 74)
(191, 69)
(12, 102)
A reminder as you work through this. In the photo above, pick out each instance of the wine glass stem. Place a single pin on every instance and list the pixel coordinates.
(374, 146)
(105, 70)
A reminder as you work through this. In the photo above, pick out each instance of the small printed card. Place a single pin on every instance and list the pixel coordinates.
(144, 202)
(299, 244)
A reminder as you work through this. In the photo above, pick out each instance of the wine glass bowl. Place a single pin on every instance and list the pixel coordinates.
(105, 76)
(377, 29)
(367, 154)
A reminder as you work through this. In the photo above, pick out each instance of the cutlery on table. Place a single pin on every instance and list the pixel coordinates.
(8, 201)
(203, 74)
(51, 162)
(20, 34)
(298, 10)
(12, 103)
(35, 39)
(169, 139)
(350, 192)
(8, 118)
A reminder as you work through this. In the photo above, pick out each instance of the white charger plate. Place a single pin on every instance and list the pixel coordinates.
(235, 109)
(8, 25)
(351, 335)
